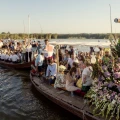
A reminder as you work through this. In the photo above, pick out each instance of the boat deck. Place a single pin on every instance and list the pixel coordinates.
(75, 104)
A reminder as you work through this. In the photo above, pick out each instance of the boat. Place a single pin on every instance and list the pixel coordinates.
(74, 104)
(26, 65)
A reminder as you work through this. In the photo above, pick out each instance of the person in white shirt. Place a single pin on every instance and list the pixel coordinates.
(6, 57)
(49, 50)
(51, 71)
(71, 60)
(3, 56)
(15, 58)
(10, 57)
(48, 53)
(39, 63)
(87, 76)
(28, 52)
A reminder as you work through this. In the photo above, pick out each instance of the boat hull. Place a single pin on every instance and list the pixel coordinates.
(16, 65)
(76, 106)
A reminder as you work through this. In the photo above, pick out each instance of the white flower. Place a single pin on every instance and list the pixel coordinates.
(114, 101)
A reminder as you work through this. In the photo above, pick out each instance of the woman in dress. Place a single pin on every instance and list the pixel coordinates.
(70, 80)
(60, 81)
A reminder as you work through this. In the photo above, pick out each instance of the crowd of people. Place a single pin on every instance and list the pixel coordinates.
(75, 67)
(18, 52)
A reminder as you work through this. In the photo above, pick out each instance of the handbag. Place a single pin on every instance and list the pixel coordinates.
(79, 83)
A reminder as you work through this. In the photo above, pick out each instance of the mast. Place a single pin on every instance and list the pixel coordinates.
(28, 26)
(24, 26)
(110, 19)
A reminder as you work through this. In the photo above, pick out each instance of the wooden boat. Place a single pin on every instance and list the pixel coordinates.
(26, 65)
(76, 104)
(62, 98)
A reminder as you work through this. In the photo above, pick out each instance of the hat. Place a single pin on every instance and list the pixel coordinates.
(62, 68)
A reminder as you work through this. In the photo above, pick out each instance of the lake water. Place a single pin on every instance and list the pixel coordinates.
(20, 101)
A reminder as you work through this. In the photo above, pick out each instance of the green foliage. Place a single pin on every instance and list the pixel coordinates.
(4, 35)
(118, 48)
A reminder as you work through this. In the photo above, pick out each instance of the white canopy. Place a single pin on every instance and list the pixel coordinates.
(99, 44)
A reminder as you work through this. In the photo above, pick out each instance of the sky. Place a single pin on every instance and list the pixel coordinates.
(59, 16)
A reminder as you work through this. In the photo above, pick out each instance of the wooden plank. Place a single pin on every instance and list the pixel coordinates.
(74, 105)
(75, 101)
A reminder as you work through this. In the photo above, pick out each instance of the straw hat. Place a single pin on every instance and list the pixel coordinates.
(62, 68)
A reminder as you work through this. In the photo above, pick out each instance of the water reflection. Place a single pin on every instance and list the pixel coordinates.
(20, 101)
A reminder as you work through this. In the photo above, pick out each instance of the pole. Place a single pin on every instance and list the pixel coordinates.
(28, 35)
(28, 26)
(110, 19)
(57, 57)
(24, 26)
(41, 31)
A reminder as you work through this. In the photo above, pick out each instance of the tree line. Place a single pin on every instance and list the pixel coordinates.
(7, 35)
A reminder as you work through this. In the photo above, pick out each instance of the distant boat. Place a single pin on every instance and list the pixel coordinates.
(26, 65)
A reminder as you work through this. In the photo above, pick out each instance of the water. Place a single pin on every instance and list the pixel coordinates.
(20, 101)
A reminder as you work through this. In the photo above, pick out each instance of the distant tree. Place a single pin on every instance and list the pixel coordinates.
(3, 33)
(55, 36)
(8, 33)
(46, 37)
(49, 36)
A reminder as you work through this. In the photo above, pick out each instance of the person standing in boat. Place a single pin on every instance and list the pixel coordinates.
(23, 51)
(51, 71)
(71, 50)
(39, 48)
(87, 77)
(39, 63)
(28, 52)
(71, 60)
(106, 58)
(91, 50)
(49, 50)
(48, 53)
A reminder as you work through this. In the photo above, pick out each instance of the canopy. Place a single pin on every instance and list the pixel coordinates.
(99, 44)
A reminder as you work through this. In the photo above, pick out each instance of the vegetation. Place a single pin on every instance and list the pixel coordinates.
(118, 48)
(4, 35)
